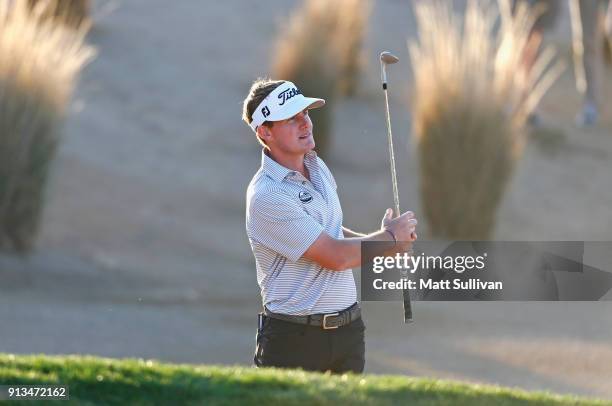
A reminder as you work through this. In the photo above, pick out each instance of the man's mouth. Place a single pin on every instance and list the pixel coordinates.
(304, 136)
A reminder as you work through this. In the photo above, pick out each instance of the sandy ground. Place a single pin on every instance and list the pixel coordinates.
(143, 251)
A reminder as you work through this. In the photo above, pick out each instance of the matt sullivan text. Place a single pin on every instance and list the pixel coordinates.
(445, 284)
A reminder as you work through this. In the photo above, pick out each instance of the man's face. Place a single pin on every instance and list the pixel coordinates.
(292, 136)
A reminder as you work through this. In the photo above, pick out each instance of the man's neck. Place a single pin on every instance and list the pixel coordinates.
(293, 162)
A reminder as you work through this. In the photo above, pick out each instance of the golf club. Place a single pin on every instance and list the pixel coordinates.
(387, 58)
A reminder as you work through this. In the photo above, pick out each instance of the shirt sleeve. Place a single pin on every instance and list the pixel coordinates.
(280, 223)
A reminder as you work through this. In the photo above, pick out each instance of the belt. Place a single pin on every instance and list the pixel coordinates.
(326, 321)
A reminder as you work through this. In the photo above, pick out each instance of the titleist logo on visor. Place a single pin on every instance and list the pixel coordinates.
(288, 94)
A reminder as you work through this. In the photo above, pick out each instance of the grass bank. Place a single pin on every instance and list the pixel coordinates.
(101, 381)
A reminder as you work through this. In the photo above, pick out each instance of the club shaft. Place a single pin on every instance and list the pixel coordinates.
(392, 157)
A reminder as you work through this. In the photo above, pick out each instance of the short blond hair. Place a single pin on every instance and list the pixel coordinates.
(260, 89)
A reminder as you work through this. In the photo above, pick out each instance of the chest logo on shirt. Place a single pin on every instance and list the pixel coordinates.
(305, 197)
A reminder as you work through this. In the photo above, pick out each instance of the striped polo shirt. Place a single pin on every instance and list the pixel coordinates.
(285, 214)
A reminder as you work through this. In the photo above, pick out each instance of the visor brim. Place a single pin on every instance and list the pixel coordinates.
(295, 108)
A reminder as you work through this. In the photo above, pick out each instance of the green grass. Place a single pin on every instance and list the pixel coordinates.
(100, 381)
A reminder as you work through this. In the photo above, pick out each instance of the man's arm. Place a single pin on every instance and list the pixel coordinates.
(343, 254)
(348, 233)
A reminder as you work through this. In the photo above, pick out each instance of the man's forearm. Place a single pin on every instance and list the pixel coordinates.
(340, 254)
(348, 233)
(350, 248)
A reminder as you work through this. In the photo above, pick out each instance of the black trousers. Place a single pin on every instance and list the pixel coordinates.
(283, 344)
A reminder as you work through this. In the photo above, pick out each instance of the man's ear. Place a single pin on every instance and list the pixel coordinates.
(264, 133)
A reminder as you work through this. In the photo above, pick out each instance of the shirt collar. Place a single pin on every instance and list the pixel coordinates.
(278, 172)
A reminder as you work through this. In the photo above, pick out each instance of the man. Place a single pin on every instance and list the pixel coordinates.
(303, 254)
(588, 35)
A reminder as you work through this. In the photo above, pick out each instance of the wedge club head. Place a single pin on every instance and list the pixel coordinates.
(386, 58)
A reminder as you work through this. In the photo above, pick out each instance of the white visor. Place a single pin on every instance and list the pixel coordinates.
(282, 103)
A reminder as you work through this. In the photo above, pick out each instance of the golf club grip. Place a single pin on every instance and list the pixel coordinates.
(405, 292)
(407, 306)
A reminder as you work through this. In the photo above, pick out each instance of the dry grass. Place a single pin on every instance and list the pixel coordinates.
(72, 13)
(473, 95)
(319, 49)
(39, 62)
(348, 42)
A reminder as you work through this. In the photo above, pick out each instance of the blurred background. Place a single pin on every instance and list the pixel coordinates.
(135, 243)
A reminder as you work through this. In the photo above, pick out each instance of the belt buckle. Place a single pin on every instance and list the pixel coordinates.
(325, 316)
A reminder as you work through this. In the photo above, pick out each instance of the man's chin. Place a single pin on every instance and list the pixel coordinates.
(309, 147)
(312, 143)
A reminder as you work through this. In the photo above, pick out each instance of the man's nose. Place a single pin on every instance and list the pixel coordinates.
(303, 119)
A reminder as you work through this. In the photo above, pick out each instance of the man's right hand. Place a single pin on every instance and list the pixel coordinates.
(402, 227)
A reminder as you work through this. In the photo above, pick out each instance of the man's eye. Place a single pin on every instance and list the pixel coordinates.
(292, 119)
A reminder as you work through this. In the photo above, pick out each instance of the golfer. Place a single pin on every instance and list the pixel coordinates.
(304, 255)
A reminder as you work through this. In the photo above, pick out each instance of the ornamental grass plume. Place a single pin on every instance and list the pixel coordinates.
(39, 63)
(473, 94)
(351, 29)
(319, 49)
(72, 13)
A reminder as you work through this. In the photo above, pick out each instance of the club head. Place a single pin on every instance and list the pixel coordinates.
(388, 58)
